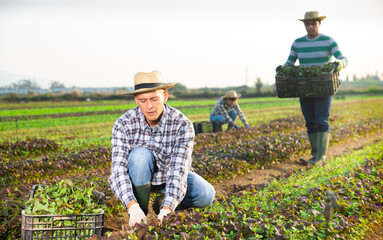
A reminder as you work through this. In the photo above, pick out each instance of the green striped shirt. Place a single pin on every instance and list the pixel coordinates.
(317, 51)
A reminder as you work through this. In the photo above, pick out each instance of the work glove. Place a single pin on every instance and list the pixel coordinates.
(136, 215)
(340, 64)
(247, 125)
(162, 214)
(236, 126)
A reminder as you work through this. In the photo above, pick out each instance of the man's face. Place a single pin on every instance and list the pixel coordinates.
(152, 105)
(230, 101)
(312, 28)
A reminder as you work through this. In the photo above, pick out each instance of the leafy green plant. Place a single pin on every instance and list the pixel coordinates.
(292, 212)
(63, 198)
(305, 71)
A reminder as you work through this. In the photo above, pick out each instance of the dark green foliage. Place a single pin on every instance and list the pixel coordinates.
(28, 147)
(217, 156)
(305, 71)
(223, 155)
(302, 214)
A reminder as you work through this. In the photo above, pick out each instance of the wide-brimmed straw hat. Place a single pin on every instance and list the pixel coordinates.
(147, 82)
(232, 94)
(313, 15)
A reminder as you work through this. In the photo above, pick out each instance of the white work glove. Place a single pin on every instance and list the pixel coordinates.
(163, 212)
(136, 215)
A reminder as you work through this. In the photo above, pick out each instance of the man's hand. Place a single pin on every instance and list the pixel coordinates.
(163, 213)
(340, 64)
(247, 125)
(136, 215)
(236, 126)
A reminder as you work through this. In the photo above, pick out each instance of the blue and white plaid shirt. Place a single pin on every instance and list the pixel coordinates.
(221, 108)
(171, 143)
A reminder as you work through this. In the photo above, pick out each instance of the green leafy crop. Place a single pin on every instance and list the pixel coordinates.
(63, 198)
(305, 71)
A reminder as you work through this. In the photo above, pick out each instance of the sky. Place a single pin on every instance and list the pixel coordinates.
(198, 43)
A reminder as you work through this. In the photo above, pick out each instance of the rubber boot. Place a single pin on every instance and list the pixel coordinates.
(323, 142)
(142, 195)
(313, 139)
(158, 203)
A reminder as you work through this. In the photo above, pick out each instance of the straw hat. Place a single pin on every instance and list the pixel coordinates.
(147, 82)
(313, 15)
(232, 94)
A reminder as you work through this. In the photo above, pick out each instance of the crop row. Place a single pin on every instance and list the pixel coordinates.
(26, 148)
(38, 110)
(12, 122)
(97, 160)
(93, 128)
(58, 104)
(128, 105)
(292, 212)
(225, 161)
(216, 155)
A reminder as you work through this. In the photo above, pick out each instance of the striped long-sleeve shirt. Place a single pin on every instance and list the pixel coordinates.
(317, 51)
(171, 143)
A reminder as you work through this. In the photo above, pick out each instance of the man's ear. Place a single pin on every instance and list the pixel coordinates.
(166, 95)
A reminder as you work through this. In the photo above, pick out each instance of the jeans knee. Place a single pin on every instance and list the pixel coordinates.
(206, 195)
(140, 163)
(210, 195)
(233, 115)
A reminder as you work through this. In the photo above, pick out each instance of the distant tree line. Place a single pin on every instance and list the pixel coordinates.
(370, 84)
(30, 84)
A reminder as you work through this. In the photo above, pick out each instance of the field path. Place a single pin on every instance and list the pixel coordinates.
(258, 178)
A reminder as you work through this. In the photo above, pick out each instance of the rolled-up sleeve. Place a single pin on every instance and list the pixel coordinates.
(119, 180)
(180, 165)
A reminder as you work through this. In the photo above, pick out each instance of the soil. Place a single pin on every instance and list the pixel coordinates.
(257, 179)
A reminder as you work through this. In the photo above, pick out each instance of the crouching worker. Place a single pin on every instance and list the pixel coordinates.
(152, 145)
(226, 110)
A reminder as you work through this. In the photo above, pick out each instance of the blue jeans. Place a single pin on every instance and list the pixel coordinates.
(221, 118)
(316, 111)
(141, 164)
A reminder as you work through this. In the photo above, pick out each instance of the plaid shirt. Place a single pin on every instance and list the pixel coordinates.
(221, 108)
(171, 143)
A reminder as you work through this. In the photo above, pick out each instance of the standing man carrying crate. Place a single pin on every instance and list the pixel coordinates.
(226, 110)
(316, 49)
(152, 147)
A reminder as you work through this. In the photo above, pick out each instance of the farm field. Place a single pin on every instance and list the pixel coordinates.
(43, 143)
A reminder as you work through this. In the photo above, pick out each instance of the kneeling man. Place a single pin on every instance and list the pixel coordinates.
(152, 145)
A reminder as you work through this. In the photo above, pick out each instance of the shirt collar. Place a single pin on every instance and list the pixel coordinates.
(164, 119)
(161, 125)
(143, 122)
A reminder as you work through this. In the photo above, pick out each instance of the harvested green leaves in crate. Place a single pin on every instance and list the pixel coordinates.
(307, 81)
(62, 198)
